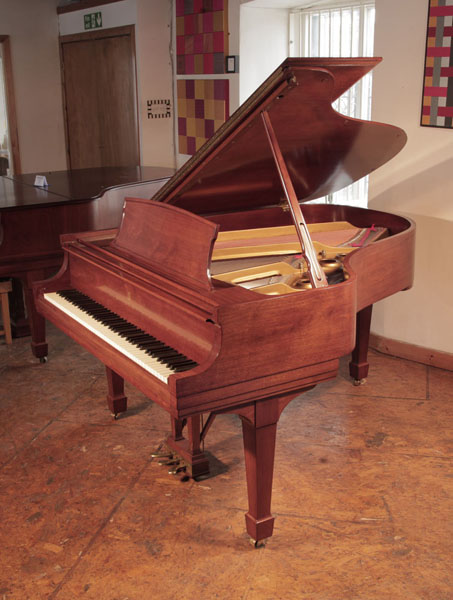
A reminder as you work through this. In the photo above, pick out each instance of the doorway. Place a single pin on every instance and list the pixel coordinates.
(100, 91)
(9, 140)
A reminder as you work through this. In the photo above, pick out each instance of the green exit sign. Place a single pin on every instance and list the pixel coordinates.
(93, 20)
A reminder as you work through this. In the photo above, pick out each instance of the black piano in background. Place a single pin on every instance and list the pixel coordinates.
(32, 219)
(218, 295)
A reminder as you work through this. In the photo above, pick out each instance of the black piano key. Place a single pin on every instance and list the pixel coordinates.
(153, 349)
(152, 346)
(125, 332)
(179, 360)
(118, 327)
(168, 353)
(139, 336)
(171, 361)
(181, 368)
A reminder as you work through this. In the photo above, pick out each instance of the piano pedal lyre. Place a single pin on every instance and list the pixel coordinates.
(168, 458)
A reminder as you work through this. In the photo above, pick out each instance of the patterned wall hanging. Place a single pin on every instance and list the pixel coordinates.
(203, 105)
(201, 36)
(437, 108)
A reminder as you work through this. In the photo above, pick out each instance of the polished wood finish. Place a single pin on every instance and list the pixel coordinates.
(5, 287)
(358, 367)
(323, 150)
(32, 220)
(100, 103)
(254, 353)
(194, 460)
(116, 399)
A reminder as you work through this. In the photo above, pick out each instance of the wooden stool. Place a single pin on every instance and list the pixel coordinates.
(5, 287)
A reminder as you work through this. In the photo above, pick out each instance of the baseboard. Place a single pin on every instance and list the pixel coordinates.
(434, 358)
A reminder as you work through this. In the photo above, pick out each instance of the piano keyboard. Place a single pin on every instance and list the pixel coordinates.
(151, 354)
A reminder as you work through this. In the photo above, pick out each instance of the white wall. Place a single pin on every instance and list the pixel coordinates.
(152, 22)
(155, 80)
(33, 30)
(263, 44)
(417, 183)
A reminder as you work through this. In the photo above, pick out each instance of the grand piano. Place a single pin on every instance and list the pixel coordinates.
(221, 294)
(32, 219)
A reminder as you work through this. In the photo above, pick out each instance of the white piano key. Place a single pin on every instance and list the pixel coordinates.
(144, 360)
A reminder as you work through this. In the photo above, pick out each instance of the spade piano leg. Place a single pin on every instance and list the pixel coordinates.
(259, 428)
(116, 399)
(358, 367)
(37, 322)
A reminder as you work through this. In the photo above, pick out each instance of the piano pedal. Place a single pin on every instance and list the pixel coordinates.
(168, 462)
(357, 382)
(178, 468)
(160, 453)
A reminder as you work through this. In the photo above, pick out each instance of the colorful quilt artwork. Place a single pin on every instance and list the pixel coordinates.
(203, 105)
(437, 109)
(201, 36)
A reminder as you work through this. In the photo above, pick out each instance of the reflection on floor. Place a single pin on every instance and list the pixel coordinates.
(362, 491)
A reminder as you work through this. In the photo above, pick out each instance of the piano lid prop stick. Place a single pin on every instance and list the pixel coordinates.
(315, 271)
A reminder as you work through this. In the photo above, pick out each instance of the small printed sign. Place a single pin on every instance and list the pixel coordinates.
(158, 109)
(40, 181)
(92, 20)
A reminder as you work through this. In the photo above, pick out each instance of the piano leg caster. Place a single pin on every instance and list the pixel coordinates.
(357, 382)
(258, 543)
(43, 359)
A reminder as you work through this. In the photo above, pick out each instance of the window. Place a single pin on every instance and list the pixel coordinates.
(340, 29)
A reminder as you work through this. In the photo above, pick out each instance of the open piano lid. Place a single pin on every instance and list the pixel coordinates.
(324, 151)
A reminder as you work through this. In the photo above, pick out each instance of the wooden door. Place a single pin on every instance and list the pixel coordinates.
(100, 93)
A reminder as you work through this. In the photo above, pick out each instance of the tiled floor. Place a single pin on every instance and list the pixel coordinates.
(363, 491)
